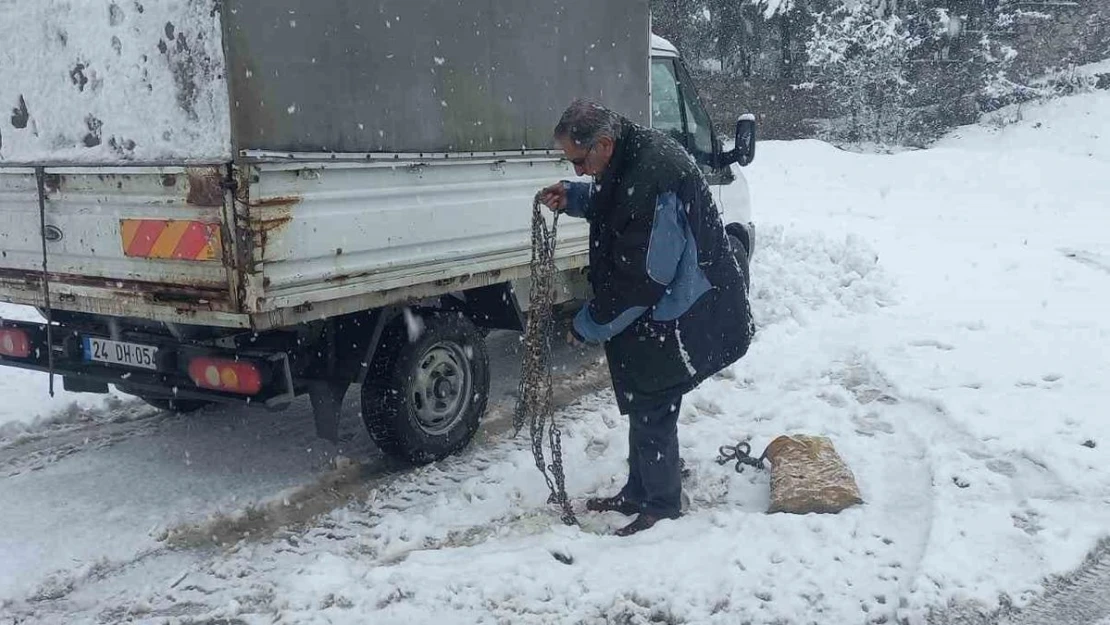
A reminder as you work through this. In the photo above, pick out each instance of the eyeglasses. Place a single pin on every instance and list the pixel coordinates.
(579, 162)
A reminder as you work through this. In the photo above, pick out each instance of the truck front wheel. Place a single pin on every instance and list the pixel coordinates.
(431, 391)
(737, 240)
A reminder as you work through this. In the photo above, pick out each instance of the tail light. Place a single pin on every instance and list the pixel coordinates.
(14, 343)
(232, 376)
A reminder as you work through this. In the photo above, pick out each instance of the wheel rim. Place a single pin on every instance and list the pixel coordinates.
(441, 387)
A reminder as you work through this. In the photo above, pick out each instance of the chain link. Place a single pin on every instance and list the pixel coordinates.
(534, 403)
(741, 453)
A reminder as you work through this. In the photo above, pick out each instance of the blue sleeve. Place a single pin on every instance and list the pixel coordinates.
(668, 239)
(659, 256)
(594, 332)
(578, 199)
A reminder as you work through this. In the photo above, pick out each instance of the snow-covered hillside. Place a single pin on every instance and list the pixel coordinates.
(940, 314)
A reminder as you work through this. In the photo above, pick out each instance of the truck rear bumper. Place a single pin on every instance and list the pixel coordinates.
(115, 298)
(171, 379)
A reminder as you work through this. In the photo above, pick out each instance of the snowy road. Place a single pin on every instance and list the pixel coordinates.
(100, 486)
(940, 315)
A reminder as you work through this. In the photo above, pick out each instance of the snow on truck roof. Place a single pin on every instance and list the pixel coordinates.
(103, 82)
(128, 82)
(659, 44)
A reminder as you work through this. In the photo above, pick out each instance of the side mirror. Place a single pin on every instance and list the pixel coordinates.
(744, 151)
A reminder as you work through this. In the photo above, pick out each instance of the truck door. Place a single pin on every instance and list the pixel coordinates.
(677, 110)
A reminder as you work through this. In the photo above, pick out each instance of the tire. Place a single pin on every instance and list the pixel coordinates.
(179, 406)
(741, 254)
(430, 393)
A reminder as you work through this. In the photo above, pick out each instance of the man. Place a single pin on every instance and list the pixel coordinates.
(669, 300)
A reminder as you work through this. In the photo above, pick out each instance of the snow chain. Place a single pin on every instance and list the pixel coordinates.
(741, 453)
(535, 404)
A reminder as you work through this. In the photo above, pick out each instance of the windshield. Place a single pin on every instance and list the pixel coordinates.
(675, 109)
(666, 103)
(698, 126)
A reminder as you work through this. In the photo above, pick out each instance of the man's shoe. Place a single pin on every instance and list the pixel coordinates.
(613, 504)
(642, 522)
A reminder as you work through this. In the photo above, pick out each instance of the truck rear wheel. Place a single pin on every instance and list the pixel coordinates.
(432, 390)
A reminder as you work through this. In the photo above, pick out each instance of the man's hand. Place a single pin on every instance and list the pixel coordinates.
(554, 197)
(573, 342)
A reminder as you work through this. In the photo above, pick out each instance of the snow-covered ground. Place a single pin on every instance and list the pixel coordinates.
(939, 314)
(1073, 126)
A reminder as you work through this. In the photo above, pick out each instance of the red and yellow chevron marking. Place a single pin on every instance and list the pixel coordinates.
(170, 239)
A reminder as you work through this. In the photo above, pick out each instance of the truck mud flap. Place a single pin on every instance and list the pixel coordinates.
(494, 307)
(327, 404)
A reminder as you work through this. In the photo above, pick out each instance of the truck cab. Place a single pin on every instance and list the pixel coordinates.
(677, 110)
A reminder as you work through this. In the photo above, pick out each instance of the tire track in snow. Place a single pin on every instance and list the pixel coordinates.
(931, 429)
(352, 481)
(1009, 463)
(911, 473)
(1097, 262)
(1081, 597)
(73, 432)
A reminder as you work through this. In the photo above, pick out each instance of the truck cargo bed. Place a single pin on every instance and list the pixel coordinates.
(269, 244)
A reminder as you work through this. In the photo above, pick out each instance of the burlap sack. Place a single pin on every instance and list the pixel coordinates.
(807, 475)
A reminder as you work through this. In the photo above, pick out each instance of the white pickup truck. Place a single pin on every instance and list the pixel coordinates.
(238, 201)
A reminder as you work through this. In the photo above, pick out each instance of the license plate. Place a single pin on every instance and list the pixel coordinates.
(118, 353)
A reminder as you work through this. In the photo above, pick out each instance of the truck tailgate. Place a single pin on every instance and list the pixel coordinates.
(143, 241)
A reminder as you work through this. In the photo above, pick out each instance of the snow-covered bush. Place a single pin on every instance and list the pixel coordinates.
(861, 58)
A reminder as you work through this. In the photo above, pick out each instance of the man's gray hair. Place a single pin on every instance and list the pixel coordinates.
(585, 122)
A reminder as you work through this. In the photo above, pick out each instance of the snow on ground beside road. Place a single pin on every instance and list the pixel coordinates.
(1000, 338)
(939, 314)
(1076, 125)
